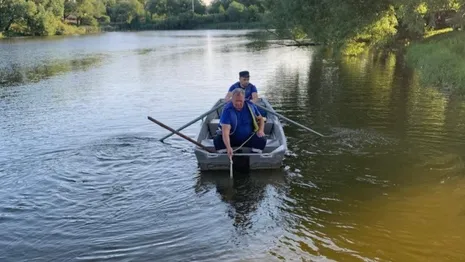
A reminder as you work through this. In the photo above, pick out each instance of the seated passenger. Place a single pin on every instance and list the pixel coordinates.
(250, 90)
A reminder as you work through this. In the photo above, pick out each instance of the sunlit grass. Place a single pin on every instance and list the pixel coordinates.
(437, 32)
(440, 60)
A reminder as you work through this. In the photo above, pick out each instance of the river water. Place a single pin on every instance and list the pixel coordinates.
(83, 176)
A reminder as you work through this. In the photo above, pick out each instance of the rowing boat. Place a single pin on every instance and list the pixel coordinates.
(270, 158)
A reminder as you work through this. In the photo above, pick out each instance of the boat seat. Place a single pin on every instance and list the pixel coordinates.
(208, 143)
(271, 144)
(213, 126)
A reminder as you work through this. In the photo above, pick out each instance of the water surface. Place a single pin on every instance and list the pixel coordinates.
(83, 176)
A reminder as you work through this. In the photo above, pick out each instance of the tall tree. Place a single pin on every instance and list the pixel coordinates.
(12, 11)
(336, 22)
(126, 11)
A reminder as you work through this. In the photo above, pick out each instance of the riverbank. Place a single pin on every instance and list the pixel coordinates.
(184, 25)
(60, 29)
(74, 30)
(440, 60)
(232, 26)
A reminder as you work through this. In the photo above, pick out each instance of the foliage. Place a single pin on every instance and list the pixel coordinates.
(235, 11)
(65, 29)
(126, 11)
(351, 25)
(49, 17)
(440, 60)
(43, 22)
(355, 25)
(375, 34)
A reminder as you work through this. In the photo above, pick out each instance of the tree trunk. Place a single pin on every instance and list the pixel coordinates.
(9, 25)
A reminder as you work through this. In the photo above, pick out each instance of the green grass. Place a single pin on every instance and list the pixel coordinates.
(440, 60)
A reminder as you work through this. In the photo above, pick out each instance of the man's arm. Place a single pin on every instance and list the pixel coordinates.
(261, 122)
(229, 94)
(225, 123)
(254, 97)
(225, 133)
(226, 129)
(228, 97)
(254, 94)
(261, 126)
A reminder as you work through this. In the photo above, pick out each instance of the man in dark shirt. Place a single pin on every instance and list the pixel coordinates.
(238, 125)
(250, 90)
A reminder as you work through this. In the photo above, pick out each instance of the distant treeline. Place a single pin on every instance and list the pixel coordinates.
(50, 17)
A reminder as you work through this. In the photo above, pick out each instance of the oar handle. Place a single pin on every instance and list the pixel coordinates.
(193, 121)
(181, 135)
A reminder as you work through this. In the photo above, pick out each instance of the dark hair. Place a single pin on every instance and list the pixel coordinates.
(244, 74)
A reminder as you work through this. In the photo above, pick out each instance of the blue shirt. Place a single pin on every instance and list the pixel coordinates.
(248, 89)
(240, 121)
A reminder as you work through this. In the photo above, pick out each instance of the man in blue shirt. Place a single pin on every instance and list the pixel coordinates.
(238, 125)
(250, 90)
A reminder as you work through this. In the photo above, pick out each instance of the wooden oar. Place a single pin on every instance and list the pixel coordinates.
(193, 121)
(181, 135)
(289, 120)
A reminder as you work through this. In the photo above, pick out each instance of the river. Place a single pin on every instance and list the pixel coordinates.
(84, 177)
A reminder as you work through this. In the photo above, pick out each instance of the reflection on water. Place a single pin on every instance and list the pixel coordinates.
(145, 51)
(82, 170)
(385, 172)
(15, 74)
(243, 193)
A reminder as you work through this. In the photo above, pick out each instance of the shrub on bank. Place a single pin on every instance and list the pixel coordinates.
(65, 29)
(440, 60)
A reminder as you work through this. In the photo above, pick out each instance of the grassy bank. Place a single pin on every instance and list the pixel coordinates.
(440, 60)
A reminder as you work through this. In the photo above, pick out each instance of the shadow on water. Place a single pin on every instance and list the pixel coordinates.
(261, 40)
(257, 45)
(15, 74)
(244, 192)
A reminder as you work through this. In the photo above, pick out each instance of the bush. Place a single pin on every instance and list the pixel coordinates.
(89, 20)
(44, 23)
(18, 29)
(104, 20)
(64, 29)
